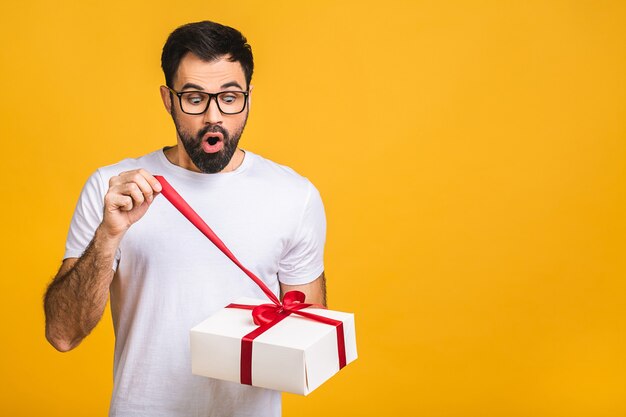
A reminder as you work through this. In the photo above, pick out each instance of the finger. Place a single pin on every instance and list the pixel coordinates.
(121, 178)
(126, 203)
(154, 183)
(140, 181)
(116, 201)
(144, 180)
(129, 189)
(115, 180)
(133, 190)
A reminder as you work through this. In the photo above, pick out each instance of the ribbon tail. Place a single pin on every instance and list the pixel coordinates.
(185, 209)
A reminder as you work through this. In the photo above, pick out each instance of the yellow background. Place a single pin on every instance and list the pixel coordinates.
(471, 156)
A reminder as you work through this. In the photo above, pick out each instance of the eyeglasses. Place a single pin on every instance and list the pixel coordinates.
(197, 102)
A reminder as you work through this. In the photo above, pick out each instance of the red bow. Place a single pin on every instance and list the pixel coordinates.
(267, 313)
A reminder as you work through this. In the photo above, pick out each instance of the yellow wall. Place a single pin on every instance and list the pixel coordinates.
(471, 156)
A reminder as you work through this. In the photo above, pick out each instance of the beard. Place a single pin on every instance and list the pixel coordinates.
(209, 163)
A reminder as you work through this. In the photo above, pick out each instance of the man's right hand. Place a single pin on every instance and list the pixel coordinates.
(127, 200)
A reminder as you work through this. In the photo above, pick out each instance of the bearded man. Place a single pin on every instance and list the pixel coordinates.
(163, 276)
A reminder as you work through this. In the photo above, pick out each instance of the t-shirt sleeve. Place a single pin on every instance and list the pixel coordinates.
(87, 217)
(303, 260)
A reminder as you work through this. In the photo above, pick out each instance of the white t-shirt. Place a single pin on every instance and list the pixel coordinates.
(169, 277)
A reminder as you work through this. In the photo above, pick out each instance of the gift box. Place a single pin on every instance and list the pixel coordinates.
(296, 354)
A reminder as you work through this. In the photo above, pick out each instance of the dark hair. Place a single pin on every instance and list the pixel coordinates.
(210, 41)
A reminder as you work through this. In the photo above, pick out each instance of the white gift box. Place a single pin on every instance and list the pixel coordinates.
(296, 355)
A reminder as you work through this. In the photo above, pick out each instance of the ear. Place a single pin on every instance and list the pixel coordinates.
(167, 98)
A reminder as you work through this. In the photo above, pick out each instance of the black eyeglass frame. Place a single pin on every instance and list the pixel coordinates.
(211, 95)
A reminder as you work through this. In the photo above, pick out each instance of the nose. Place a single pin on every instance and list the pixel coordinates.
(212, 115)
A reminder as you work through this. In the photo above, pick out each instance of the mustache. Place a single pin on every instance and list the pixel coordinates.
(213, 129)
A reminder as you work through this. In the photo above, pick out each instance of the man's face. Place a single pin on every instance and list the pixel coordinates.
(209, 139)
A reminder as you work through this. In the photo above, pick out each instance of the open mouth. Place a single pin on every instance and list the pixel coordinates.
(212, 143)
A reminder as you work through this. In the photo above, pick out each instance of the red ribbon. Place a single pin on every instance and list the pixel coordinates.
(265, 315)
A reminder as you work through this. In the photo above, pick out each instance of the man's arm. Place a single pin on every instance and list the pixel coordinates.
(76, 298)
(315, 291)
(304, 256)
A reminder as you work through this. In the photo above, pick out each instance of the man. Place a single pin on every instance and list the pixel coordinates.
(163, 276)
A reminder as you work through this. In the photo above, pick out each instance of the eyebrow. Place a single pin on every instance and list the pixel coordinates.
(232, 84)
(200, 88)
(192, 85)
